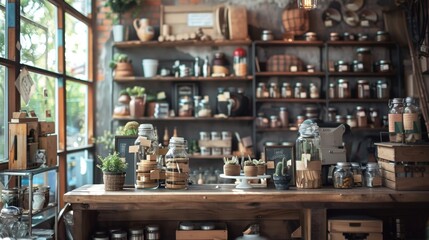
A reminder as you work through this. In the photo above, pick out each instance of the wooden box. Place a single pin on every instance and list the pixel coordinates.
(355, 228)
(49, 143)
(219, 233)
(46, 128)
(404, 166)
(23, 145)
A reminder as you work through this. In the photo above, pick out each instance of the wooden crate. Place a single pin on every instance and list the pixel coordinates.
(49, 143)
(349, 228)
(342, 236)
(219, 233)
(22, 153)
(46, 128)
(404, 166)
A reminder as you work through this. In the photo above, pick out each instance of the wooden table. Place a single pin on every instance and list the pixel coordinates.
(93, 207)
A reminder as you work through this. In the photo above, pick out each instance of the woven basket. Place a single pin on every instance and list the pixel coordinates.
(113, 181)
(295, 21)
(231, 170)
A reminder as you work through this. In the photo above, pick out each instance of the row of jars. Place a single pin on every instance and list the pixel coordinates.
(150, 232)
(361, 66)
(19, 197)
(404, 120)
(349, 175)
(287, 91)
(363, 89)
(281, 120)
(361, 117)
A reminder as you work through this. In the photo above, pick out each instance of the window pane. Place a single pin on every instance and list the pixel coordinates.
(39, 34)
(83, 6)
(77, 118)
(80, 169)
(44, 100)
(3, 113)
(76, 48)
(2, 28)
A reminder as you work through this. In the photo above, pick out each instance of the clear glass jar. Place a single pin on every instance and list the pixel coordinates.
(177, 162)
(372, 175)
(186, 107)
(357, 174)
(412, 125)
(311, 112)
(299, 120)
(396, 128)
(286, 91)
(343, 89)
(11, 224)
(364, 56)
(300, 91)
(267, 35)
(374, 117)
(148, 146)
(314, 91)
(363, 89)
(204, 109)
(118, 235)
(332, 114)
(358, 66)
(146, 131)
(262, 91)
(262, 121)
(274, 90)
(361, 117)
(382, 89)
(331, 91)
(342, 66)
(351, 121)
(152, 232)
(274, 122)
(382, 36)
(343, 175)
(240, 62)
(382, 66)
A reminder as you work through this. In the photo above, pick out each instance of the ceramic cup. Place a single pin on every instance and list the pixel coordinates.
(150, 67)
(38, 200)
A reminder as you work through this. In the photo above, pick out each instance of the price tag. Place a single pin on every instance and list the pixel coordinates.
(270, 165)
(133, 149)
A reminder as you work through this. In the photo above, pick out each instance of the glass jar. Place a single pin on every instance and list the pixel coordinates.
(12, 226)
(343, 88)
(361, 116)
(382, 89)
(342, 66)
(374, 117)
(351, 121)
(340, 119)
(314, 91)
(186, 107)
(372, 175)
(363, 89)
(177, 162)
(382, 66)
(298, 91)
(358, 66)
(240, 62)
(299, 120)
(284, 117)
(147, 141)
(286, 91)
(147, 132)
(364, 56)
(382, 36)
(343, 175)
(274, 122)
(262, 121)
(396, 129)
(204, 109)
(412, 125)
(349, 36)
(357, 174)
(334, 36)
(152, 232)
(267, 35)
(332, 114)
(118, 235)
(274, 90)
(311, 112)
(310, 36)
(262, 90)
(331, 91)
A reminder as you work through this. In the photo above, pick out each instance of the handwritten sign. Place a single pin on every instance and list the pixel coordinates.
(200, 19)
(25, 85)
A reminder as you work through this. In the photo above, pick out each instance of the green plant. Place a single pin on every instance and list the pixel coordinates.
(232, 161)
(107, 139)
(136, 91)
(249, 163)
(112, 163)
(259, 162)
(281, 168)
(119, 7)
(130, 129)
(118, 58)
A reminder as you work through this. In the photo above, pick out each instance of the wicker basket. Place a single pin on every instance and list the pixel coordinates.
(113, 181)
(231, 170)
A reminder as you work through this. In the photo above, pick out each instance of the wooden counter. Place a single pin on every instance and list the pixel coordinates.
(93, 207)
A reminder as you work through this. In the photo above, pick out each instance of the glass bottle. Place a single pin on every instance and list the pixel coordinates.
(147, 141)
(197, 67)
(197, 100)
(262, 90)
(375, 117)
(204, 109)
(185, 107)
(411, 118)
(284, 117)
(382, 89)
(240, 62)
(364, 55)
(363, 90)
(343, 175)
(177, 162)
(396, 128)
(262, 121)
(331, 91)
(314, 91)
(361, 117)
(206, 68)
(372, 175)
(274, 90)
(332, 114)
(298, 91)
(343, 88)
(286, 91)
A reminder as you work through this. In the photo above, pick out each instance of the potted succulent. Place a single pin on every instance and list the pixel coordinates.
(121, 65)
(231, 166)
(281, 177)
(113, 168)
(119, 7)
(249, 168)
(138, 101)
(260, 165)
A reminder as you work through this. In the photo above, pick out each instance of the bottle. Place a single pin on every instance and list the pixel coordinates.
(286, 91)
(284, 117)
(396, 129)
(240, 62)
(197, 68)
(166, 137)
(177, 162)
(206, 67)
(411, 118)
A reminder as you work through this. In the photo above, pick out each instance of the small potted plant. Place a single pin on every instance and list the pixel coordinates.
(281, 177)
(260, 165)
(231, 166)
(121, 65)
(138, 101)
(119, 7)
(249, 168)
(113, 168)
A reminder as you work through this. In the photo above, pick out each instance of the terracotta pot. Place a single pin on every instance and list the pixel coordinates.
(124, 99)
(123, 69)
(261, 169)
(250, 171)
(137, 106)
(113, 181)
(231, 170)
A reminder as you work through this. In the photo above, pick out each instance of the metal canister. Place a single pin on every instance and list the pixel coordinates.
(343, 88)
(267, 35)
(382, 66)
(152, 232)
(364, 55)
(382, 36)
(136, 234)
(363, 90)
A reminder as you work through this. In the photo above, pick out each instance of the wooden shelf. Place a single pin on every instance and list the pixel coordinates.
(209, 157)
(291, 43)
(362, 74)
(180, 79)
(183, 119)
(289, 100)
(290, 74)
(276, 130)
(358, 100)
(214, 43)
(360, 43)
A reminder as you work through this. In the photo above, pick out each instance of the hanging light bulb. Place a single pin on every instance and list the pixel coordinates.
(307, 4)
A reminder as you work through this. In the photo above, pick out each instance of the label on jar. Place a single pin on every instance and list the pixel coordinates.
(376, 181)
(343, 68)
(384, 67)
(410, 122)
(293, 68)
(395, 123)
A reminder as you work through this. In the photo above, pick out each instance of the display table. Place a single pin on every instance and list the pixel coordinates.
(94, 208)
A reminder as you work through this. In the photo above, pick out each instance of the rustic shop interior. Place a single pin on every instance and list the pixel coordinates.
(197, 119)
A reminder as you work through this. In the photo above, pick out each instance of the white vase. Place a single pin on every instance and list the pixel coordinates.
(150, 67)
(119, 33)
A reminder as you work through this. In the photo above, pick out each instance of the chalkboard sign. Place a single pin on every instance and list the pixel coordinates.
(277, 153)
(122, 144)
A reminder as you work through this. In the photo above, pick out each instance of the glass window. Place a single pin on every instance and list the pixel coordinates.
(44, 100)
(3, 113)
(76, 114)
(76, 48)
(80, 169)
(2, 28)
(83, 6)
(38, 36)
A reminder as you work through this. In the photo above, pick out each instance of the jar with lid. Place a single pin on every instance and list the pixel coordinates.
(374, 117)
(382, 66)
(310, 36)
(343, 175)
(12, 225)
(286, 91)
(362, 37)
(299, 120)
(349, 36)
(358, 66)
(363, 89)
(267, 35)
(300, 91)
(382, 89)
(343, 88)
(197, 100)
(372, 175)
(351, 121)
(220, 64)
(262, 90)
(262, 121)
(340, 119)
(284, 117)
(364, 55)
(311, 112)
(314, 91)
(396, 129)
(147, 141)
(332, 114)
(186, 107)
(412, 125)
(357, 174)
(136, 234)
(307, 152)
(274, 90)
(177, 163)
(341, 66)
(361, 116)
(382, 36)
(204, 109)
(274, 121)
(118, 235)
(331, 90)
(240, 62)
(9, 197)
(334, 36)
(311, 68)
(152, 232)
